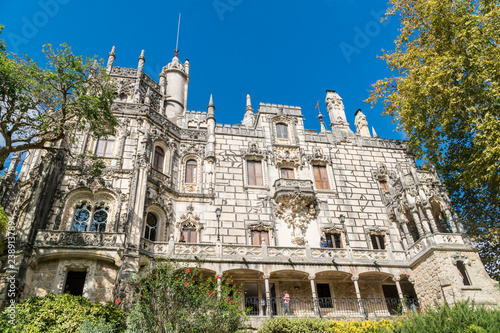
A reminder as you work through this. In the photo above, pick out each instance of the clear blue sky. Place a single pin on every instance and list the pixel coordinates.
(283, 52)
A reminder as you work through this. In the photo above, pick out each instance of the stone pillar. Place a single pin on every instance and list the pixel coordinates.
(409, 237)
(426, 223)
(451, 221)
(268, 294)
(418, 222)
(400, 292)
(432, 221)
(358, 294)
(314, 296)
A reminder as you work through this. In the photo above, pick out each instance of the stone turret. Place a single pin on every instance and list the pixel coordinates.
(177, 79)
(111, 59)
(361, 124)
(336, 110)
(249, 118)
(210, 148)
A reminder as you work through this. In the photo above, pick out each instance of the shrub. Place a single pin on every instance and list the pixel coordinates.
(173, 298)
(60, 314)
(309, 325)
(100, 327)
(462, 317)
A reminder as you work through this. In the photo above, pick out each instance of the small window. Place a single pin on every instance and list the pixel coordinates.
(151, 224)
(190, 172)
(105, 147)
(254, 169)
(378, 242)
(281, 131)
(321, 177)
(84, 216)
(383, 184)
(258, 236)
(100, 218)
(463, 273)
(189, 234)
(334, 241)
(81, 218)
(287, 173)
(158, 159)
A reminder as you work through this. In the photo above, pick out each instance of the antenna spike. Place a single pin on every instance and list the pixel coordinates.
(177, 42)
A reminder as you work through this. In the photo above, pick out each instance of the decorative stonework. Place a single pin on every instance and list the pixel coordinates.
(89, 266)
(287, 156)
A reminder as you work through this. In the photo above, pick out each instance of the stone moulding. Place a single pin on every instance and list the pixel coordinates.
(79, 239)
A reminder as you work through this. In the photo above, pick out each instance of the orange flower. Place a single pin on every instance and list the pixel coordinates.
(186, 284)
(187, 270)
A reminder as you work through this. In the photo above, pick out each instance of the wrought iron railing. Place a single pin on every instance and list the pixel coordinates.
(329, 307)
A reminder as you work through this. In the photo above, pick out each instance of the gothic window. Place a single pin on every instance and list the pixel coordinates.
(254, 171)
(258, 236)
(158, 158)
(281, 131)
(334, 240)
(104, 147)
(84, 215)
(190, 172)
(321, 177)
(378, 242)
(189, 233)
(287, 173)
(151, 227)
(463, 273)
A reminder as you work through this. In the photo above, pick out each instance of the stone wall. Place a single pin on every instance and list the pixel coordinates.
(104, 282)
(40, 280)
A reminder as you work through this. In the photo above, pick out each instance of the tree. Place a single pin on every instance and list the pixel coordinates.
(42, 106)
(172, 298)
(444, 93)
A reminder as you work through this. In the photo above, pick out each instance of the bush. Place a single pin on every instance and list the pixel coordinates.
(60, 314)
(174, 298)
(100, 327)
(462, 317)
(309, 325)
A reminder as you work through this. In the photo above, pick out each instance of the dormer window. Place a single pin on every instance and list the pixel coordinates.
(281, 131)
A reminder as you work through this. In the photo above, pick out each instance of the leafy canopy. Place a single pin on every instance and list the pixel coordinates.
(445, 94)
(41, 106)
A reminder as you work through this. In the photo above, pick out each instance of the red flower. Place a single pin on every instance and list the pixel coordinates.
(228, 298)
(186, 284)
(216, 276)
(231, 280)
(230, 302)
(209, 294)
(118, 301)
(127, 267)
(187, 270)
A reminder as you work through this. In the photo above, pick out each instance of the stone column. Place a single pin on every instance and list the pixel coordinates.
(451, 221)
(358, 294)
(418, 223)
(268, 294)
(314, 296)
(400, 292)
(409, 237)
(432, 221)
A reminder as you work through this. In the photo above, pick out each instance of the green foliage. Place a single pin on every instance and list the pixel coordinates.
(462, 317)
(96, 327)
(172, 298)
(60, 314)
(40, 106)
(4, 223)
(444, 95)
(310, 325)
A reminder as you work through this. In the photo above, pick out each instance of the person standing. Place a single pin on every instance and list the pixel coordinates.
(286, 303)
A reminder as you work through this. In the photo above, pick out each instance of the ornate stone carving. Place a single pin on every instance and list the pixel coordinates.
(460, 257)
(287, 155)
(253, 151)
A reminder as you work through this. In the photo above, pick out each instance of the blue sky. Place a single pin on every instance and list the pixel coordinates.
(283, 52)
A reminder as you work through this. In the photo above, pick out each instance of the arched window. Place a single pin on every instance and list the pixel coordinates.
(105, 147)
(190, 172)
(84, 215)
(151, 226)
(158, 158)
(281, 131)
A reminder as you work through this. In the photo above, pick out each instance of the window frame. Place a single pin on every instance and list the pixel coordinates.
(158, 151)
(462, 272)
(260, 234)
(289, 169)
(105, 142)
(323, 180)
(147, 235)
(377, 241)
(92, 209)
(333, 236)
(251, 171)
(192, 171)
(280, 134)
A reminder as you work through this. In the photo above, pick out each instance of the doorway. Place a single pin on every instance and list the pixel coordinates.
(75, 281)
(324, 295)
(391, 298)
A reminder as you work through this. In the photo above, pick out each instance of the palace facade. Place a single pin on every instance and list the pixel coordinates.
(344, 221)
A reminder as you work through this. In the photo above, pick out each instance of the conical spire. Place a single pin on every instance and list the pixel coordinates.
(374, 133)
(111, 59)
(211, 108)
(249, 118)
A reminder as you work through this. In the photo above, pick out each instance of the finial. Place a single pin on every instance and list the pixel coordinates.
(374, 133)
(249, 101)
(112, 51)
(111, 59)
(211, 103)
(142, 55)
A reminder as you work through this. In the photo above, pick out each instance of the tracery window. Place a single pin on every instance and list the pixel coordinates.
(190, 176)
(158, 159)
(151, 227)
(88, 218)
(321, 177)
(104, 147)
(281, 131)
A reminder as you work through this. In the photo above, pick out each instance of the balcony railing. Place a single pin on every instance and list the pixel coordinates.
(329, 307)
(56, 238)
(159, 176)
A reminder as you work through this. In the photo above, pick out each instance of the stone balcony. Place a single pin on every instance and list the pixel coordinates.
(285, 188)
(158, 177)
(76, 239)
